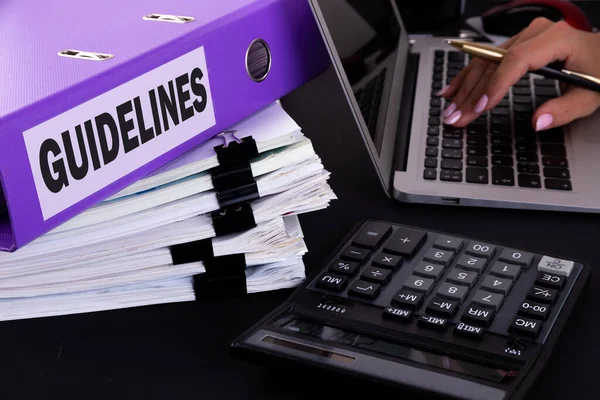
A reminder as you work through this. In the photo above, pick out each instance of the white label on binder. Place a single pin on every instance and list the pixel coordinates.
(89, 147)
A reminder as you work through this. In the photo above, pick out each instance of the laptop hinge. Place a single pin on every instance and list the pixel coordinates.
(406, 113)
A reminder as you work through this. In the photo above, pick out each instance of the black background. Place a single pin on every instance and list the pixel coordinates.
(180, 351)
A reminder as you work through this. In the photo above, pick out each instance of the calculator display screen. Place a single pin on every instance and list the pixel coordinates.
(381, 346)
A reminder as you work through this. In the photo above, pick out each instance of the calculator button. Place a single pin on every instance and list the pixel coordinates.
(555, 266)
(429, 270)
(433, 322)
(387, 260)
(471, 263)
(364, 289)
(461, 277)
(526, 326)
(481, 249)
(399, 313)
(496, 284)
(439, 305)
(409, 299)
(478, 314)
(551, 280)
(332, 282)
(534, 310)
(355, 254)
(344, 267)
(516, 257)
(405, 241)
(375, 274)
(453, 291)
(439, 256)
(543, 294)
(488, 299)
(419, 284)
(468, 330)
(505, 270)
(372, 235)
(448, 243)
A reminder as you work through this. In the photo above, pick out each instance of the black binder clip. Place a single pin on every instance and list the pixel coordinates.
(236, 218)
(185, 253)
(225, 277)
(235, 150)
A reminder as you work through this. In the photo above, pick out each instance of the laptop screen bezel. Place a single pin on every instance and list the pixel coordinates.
(383, 160)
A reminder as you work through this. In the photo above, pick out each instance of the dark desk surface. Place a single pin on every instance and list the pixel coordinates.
(180, 351)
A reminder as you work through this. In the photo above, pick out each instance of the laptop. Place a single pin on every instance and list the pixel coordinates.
(390, 82)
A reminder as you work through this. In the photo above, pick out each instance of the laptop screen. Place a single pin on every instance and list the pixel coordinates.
(365, 35)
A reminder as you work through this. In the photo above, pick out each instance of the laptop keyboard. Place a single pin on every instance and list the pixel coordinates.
(500, 147)
(369, 100)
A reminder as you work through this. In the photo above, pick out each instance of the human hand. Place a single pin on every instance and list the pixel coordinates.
(481, 85)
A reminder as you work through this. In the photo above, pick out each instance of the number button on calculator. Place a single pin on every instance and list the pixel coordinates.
(481, 249)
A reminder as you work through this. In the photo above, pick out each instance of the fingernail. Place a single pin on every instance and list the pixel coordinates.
(442, 90)
(449, 110)
(453, 118)
(544, 121)
(481, 104)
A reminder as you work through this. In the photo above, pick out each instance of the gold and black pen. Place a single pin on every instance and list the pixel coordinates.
(496, 55)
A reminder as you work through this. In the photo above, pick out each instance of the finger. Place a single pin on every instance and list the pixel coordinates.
(577, 103)
(473, 106)
(554, 44)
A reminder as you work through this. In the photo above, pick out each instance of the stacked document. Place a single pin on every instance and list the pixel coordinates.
(199, 227)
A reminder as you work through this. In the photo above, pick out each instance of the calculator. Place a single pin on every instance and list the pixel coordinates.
(435, 312)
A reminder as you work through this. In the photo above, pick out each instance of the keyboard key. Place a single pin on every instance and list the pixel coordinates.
(477, 175)
(527, 157)
(505, 140)
(546, 91)
(372, 235)
(433, 322)
(408, 299)
(528, 168)
(521, 99)
(452, 143)
(468, 330)
(543, 294)
(471, 263)
(553, 150)
(434, 121)
(456, 65)
(439, 256)
(355, 253)
(452, 153)
(525, 108)
(495, 284)
(534, 310)
(453, 134)
(521, 91)
(551, 280)
(505, 270)
(453, 291)
(431, 162)
(503, 161)
(332, 282)
(436, 85)
(433, 131)
(405, 241)
(364, 289)
(555, 135)
(558, 184)
(456, 56)
(480, 315)
(432, 141)
(419, 284)
(452, 164)
(430, 174)
(451, 175)
(479, 249)
(448, 243)
(376, 274)
(503, 176)
(429, 270)
(500, 111)
(400, 313)
(556, 173)
(435, 102)
(477, 150)
(555, 266)
(477, 161)
(462, 277)
(389, 261)
(344, 267)
(476, 140)
(545, 82)
(530, 181)
(502, 150)
(555, 162)
(516, 257)
(488, 299)
(527, 326)
(441, 306)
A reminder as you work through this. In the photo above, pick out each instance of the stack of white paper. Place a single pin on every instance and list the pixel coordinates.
(120, 253)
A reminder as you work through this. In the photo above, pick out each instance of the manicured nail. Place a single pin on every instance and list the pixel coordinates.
(449, 110)
(544, 121)
(453, 118)
(442, 91)
(480, 106)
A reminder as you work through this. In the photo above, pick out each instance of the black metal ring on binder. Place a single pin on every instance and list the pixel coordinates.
(225, 276)
(237, 151)
(233, 219)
